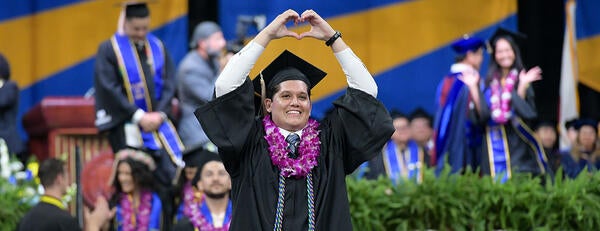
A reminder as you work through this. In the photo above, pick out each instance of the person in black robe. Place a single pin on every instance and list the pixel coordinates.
(275, 183)
(503, 110)
(9, 107)
(585, 153)
(50, 213)
(125, 109)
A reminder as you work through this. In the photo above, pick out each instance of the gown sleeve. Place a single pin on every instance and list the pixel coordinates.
(363, 124)
(524, 108)
(108, 86)
(228, 120)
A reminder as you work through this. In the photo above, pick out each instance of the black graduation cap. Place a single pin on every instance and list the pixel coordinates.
(202, 159)
(137, 9)
(198, 156)
(420, 113)
(287, 66)
(587, 122)
(545, 123)
(395, 114)
(518, 37)
(570, 123)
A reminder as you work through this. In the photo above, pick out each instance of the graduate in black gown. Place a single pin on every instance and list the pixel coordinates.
(134, 82)
(585, 153)
(288, 171)
(503, 110)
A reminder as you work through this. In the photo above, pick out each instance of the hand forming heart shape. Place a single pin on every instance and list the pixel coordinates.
(319, 28)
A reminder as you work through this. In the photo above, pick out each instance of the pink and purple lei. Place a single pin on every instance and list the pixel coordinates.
(501, 97)
(140, 219)
(191, 209)
(309, 149)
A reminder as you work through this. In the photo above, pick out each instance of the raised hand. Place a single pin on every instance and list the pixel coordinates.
(534, 74)
(319, 28)
(277, 28)
(470, 78)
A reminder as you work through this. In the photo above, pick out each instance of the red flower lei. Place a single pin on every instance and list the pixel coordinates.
(309, 149)
(132, 220)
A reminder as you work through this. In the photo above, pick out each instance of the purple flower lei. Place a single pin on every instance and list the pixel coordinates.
(309, 149)
(501, 96)
(192, 212)
(141, 221)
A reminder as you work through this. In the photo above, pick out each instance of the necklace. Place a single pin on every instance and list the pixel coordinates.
(501, 96)
(309, 149)
(140, 219)
(191, 210)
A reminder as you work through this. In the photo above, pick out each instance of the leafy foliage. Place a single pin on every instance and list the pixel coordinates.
(472, 202)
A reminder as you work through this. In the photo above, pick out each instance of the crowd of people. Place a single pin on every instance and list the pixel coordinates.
(245, 154)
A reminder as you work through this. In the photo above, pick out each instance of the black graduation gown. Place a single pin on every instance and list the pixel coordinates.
(45, 216)
(523, 158)
(9, 106)
(111, 97)
(354, 132)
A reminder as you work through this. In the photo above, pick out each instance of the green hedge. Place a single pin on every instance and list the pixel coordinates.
(471, 202)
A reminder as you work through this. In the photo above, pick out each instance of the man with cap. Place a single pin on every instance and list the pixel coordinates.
(196, 78)
(288, 171)
(452, 134)
(585, 152)
(135, 83)
(206, 205)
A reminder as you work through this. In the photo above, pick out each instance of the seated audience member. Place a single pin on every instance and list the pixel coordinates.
(585, 152)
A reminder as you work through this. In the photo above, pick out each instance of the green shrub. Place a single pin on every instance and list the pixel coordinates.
(12, 205)
(471, 202)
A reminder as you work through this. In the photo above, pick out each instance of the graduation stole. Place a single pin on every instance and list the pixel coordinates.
(498, 150)
(447, 95)
(153, 217)
(208, 216)
(137, 92)
(397, 166)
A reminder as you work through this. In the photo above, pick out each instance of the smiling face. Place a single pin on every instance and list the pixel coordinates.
(504, 54)
(290, 107)
(125, 177)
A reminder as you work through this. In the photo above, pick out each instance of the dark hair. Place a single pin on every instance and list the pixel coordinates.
(275, 88)
(395, 114)
(198, 175)
(495, 68)
(460, 57)
(141, 174)
(4, 68)
(49, 170)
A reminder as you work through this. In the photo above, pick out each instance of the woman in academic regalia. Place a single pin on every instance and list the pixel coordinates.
(503, 108)
(585, 153)
(138, 205)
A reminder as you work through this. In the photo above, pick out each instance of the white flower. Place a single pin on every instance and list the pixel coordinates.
(506, 95)
(494, 99)
(496, 113)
